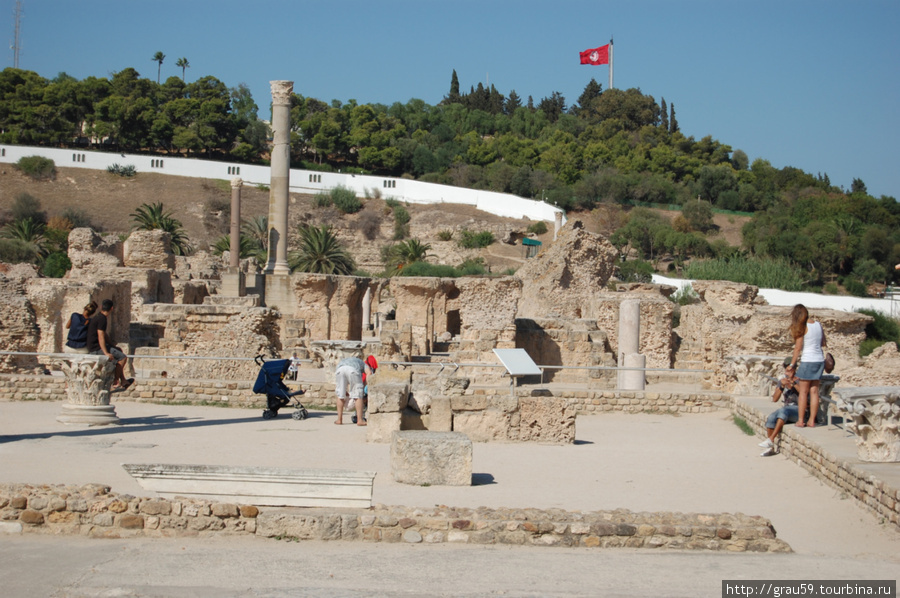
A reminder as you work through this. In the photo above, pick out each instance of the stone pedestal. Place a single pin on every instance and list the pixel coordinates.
(88, 382)
(875, 414)
(436, 458)
(234, 283)
(633, 379)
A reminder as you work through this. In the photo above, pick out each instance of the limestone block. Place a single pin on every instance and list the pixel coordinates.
(546, 419)
(149, 249)
(90, 251)
(382, 425)
(440, 416)
(482, 426)
(426, 457)
(387, 398)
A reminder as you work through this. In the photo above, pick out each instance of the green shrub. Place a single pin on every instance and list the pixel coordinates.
(391, 203)
(16, 251)
(27, 206)
(831, 289)
(445, 235)
(78, 217)
(38, 167)
(401, 222)
(426, 269)
(635, 271)
(538, 228)
(124, 171)
(685, 296)
(869, 345)
(473, 240)
(761, 272)
(56, 265)
(882, 328)
(345, 200)
(855, 288)
(322, 199)
(472, 267)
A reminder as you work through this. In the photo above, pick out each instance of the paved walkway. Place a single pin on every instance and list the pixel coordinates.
(692, 463)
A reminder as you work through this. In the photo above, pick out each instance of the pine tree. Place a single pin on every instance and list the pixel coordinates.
(453, 97)
(664, 115)
(512, 102)
(591, 92)
(673, 124)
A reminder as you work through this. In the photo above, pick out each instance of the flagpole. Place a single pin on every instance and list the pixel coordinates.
(610, 63)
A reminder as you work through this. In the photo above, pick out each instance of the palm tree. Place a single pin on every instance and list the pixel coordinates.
(154, 216)
(320, 252)
(183, 63)
(28, 231)
(405, 253)
(158, 58)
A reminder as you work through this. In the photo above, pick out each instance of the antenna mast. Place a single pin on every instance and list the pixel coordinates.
(17, 45)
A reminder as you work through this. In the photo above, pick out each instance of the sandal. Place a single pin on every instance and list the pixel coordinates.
(127, 384)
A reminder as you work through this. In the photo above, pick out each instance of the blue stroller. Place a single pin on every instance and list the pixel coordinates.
(269, 383)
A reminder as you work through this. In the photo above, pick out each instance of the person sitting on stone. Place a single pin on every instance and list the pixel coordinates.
(76, 340)
(348, 384)
(99, 342)
(789, 413)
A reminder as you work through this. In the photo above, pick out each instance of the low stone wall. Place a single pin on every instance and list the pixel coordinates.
(94, 511)
(867, 490)
(238, 393)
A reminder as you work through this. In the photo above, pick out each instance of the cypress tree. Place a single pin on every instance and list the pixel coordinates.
(663, 115)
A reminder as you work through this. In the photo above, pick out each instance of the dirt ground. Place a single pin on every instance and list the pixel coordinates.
(202, 207)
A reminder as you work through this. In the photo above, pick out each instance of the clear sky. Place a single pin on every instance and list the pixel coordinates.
(813, 84)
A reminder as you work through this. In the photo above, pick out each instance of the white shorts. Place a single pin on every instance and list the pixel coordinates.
(348, 378)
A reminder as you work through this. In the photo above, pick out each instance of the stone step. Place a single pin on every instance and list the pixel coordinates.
(246, 301)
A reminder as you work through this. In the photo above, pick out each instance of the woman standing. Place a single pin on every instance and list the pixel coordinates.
(809, 338)
(76, 341)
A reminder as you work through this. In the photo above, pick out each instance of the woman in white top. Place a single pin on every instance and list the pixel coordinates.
(809, 338)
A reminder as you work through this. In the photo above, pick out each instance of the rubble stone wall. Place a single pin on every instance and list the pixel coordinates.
(96, 511)
(872, 493)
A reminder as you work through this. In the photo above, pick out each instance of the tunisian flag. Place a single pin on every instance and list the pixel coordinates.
(595, 55)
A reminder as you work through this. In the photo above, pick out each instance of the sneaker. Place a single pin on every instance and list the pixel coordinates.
(766, 443)
(768, 452)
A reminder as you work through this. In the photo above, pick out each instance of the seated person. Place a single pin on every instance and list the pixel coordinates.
(790, 413)
(348, 384)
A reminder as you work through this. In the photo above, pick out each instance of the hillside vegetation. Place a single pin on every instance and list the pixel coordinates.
(609, 149)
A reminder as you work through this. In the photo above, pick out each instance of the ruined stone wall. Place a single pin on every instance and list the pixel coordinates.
(562, 279)
(19, 329)
(656, 340)
(573, 343)
(731, 320)
(330, 305)
(89, 253)
(422, 304)
(94, 510)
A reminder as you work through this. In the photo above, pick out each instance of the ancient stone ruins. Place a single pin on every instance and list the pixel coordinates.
(194, 324)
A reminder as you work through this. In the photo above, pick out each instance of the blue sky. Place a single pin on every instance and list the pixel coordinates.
(810, 84)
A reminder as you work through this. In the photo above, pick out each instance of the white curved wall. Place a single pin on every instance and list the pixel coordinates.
(302, 181)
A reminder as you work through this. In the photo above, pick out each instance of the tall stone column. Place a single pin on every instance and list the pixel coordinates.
(279, 186)
(367, 311)
(236, 184)
(629, 335)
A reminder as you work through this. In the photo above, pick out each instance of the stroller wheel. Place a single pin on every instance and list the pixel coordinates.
(300, 414)
(269, 414)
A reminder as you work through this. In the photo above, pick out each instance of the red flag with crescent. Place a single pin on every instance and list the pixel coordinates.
(595, 55)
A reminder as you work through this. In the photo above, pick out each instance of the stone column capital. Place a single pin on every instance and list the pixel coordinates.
(281, 92)
(237, 182)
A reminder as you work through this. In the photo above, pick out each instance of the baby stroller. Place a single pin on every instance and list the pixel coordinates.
(269, 383)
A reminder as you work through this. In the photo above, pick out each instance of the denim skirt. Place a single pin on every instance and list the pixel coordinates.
(811, 371)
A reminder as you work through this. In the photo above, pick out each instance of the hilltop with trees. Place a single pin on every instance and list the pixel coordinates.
(609, 149)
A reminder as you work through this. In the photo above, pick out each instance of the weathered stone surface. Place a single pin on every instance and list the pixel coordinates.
(436, 458)
(482, 426)
(558, 280)
(90, 252)
(148, 249)
(381, 426)
(546, 419)
(387, 397)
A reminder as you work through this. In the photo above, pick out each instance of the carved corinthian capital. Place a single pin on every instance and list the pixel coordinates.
(281, 92)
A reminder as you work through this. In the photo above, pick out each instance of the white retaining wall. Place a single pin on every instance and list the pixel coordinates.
(302, 181)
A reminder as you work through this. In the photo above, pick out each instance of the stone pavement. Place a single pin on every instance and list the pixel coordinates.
(691, 463)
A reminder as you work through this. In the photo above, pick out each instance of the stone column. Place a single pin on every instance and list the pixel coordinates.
(279, 186)
(629, 334)
(88, 382)
(367, 311)
(236, 184)
(557, 224)
(633, 379)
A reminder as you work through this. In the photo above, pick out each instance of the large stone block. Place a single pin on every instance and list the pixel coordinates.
(388, 398)
(382, 425)
(483, 426)
(546, 419)
(437, 458)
